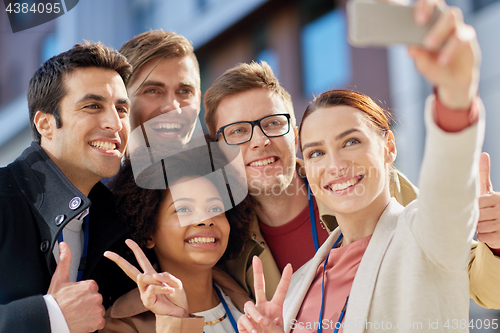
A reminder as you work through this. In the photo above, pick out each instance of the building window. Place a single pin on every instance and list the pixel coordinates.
(326, 58)
(49, 47)
(272, 60)
(479, 4)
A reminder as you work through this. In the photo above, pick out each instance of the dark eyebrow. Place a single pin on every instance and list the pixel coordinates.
(341, 135)
(180, 199)
(92, 97)
(312, 144)
(123, 101)
(152, 83)
(192, 200)
(338, 137)
(187, 84)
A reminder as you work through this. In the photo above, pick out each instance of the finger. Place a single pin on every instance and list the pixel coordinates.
(254, 313)
(484, 227)
(443, 28)
(423, 10)
(489, 214)
(61, 274)
(258, 281)
(140, 256)
(282, 288)
(144, 280)
(168, 279)
(489, 200)
(153, 290)
(485, 185)
(125, 266)
(491, 239)
(448, 50)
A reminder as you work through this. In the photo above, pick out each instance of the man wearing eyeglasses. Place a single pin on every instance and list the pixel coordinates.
(246, 106)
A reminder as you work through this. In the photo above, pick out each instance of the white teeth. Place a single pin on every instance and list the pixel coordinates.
(201, 240)
(263, 162)
(167, 126)
(343, 186)
(104, 145)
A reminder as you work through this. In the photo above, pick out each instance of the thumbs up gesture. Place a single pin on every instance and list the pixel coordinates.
(79, 302)
(488, 227)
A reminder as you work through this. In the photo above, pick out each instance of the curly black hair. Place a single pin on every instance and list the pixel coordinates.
(138, 206)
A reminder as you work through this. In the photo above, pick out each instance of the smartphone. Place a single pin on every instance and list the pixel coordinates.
(373, 23)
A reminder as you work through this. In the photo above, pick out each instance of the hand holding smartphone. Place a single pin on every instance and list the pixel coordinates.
(374, 23)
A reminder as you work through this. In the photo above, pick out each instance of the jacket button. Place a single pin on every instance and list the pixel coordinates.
(59, 219)
(44, 247)
(254, 236)
(262, 243)
(75, 203)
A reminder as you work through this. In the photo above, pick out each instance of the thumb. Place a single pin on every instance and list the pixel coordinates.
(61, 275)
(484, 174)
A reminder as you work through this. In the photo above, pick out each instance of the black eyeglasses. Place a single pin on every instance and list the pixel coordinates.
(242, 131)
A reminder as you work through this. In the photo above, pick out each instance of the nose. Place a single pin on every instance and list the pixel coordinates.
(259, 139)
(170, 103)
(208, 222)
(112, 120)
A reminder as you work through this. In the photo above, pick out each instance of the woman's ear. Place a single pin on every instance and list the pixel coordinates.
(151, 243)
(390, 147)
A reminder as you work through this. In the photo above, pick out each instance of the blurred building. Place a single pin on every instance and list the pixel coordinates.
(304, 41)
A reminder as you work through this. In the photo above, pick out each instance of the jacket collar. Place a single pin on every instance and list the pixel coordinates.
(54, 200)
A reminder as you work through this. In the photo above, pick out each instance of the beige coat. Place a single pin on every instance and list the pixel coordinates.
(413, 275)
(129, 315)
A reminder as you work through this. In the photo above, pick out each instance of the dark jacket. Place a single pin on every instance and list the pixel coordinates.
(36, 202)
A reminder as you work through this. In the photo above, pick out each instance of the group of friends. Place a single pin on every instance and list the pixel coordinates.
(186, 234)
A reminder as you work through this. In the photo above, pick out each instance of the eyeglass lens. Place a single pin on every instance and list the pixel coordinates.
(271, 126)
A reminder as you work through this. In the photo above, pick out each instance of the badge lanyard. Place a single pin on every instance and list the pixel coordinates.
(229, 314)
(341, 317)
(312, 216)
(83, 260)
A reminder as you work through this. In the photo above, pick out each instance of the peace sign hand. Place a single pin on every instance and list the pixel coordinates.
(265, 316)
(161, 293)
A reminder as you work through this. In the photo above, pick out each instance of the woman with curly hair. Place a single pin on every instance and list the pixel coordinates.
(184, 232)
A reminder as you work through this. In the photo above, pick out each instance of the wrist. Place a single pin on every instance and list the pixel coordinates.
(459, 95)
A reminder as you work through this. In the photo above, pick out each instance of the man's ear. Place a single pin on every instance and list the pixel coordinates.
(296, 132)
(45, 124)
(151, 243)
(390, 147)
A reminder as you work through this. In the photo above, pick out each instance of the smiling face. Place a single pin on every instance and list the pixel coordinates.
(95, 126)
(346, 160)
(165, 95)
(200, 244)
(269, 162)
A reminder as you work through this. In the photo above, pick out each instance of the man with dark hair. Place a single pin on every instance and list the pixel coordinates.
(51, 243)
